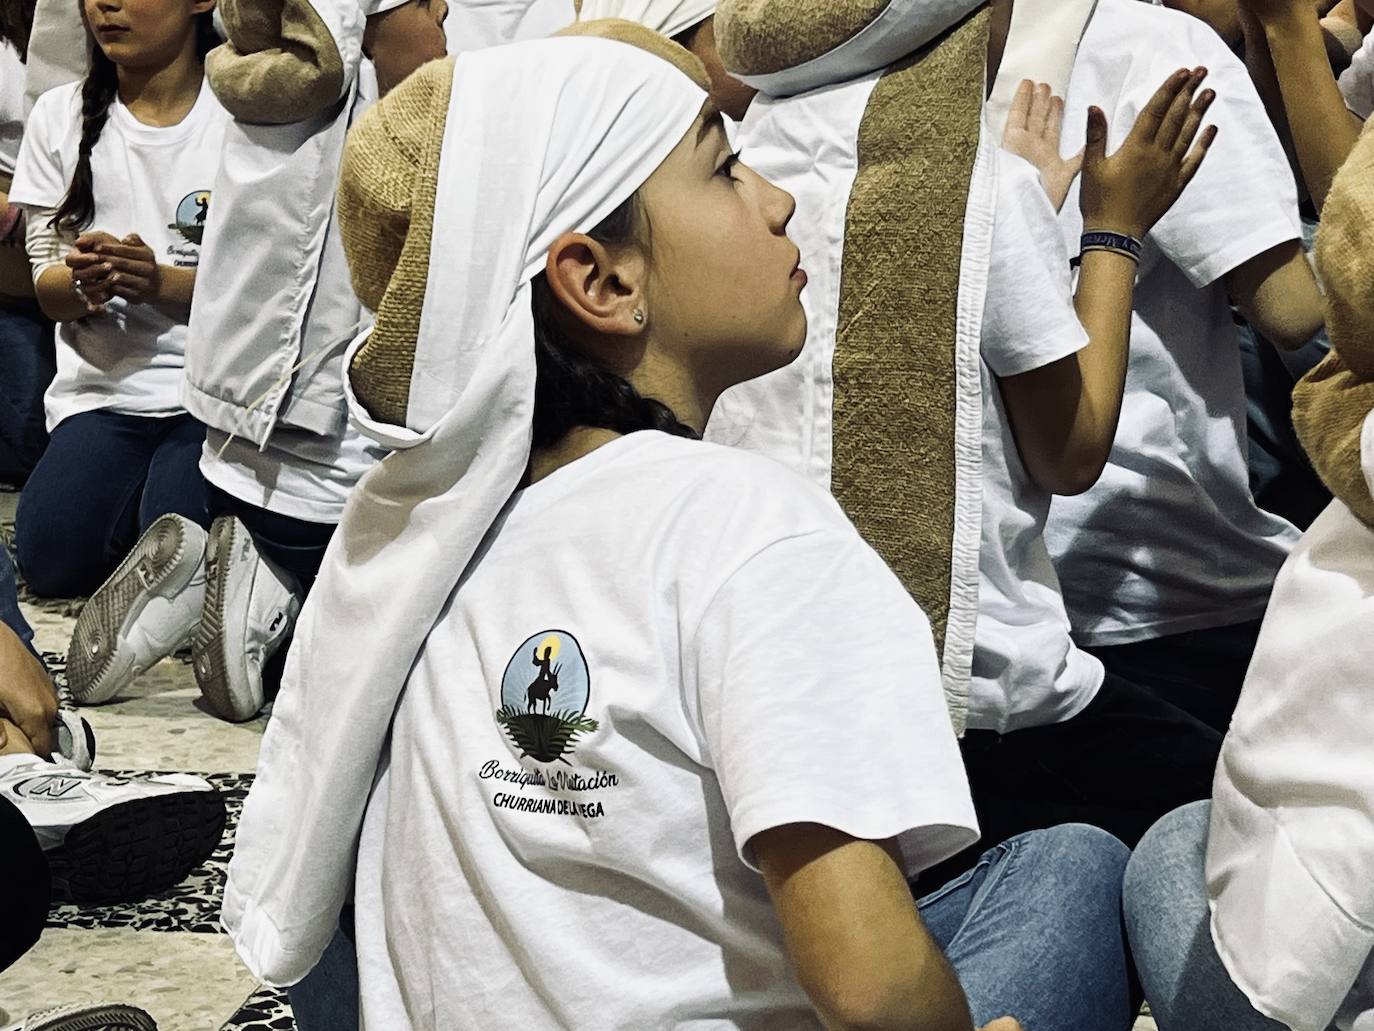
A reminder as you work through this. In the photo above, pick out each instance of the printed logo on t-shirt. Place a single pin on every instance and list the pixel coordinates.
(191, 215)
(544, 696)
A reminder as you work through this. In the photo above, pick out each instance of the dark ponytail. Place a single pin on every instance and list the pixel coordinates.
(98, 93)
(571, 389)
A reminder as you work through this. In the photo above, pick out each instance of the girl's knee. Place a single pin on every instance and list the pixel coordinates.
(1092, 853)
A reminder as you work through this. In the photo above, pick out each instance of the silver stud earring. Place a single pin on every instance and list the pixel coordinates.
(639, 316)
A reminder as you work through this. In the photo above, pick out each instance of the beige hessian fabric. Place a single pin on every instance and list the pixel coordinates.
(282, 66)
(395, 149)
(393, 224)
(760, 37)
(1332, 401)
(894, 368)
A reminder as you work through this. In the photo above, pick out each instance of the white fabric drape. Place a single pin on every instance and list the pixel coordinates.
(668, 17)
(542, 138)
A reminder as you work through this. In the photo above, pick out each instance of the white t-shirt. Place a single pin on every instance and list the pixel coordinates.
(1026, 670)
(1357, 81)
(152, 181)
(710, 651)
(11, 107)
(299, 474)
(1170, 538)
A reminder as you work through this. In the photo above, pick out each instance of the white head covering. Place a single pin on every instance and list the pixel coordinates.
(59, 49)
(371, 7)
(666, 17)
(541, 138)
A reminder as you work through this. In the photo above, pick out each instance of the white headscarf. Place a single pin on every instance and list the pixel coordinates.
(542, 138)
(371, 7)
(666, 17)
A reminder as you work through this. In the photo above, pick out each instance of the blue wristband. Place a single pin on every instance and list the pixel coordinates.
(1101, 240)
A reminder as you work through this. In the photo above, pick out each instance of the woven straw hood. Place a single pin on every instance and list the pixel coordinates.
(386, 211)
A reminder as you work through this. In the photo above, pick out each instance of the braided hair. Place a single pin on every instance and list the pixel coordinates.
(98, 93)
(570, 388)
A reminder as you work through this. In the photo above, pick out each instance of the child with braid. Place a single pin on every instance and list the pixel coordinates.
(114, 176)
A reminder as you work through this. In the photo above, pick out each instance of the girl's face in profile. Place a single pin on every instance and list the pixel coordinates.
(143, 33)
(724, 285)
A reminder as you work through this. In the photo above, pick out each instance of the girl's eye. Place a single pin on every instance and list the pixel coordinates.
(727, 169)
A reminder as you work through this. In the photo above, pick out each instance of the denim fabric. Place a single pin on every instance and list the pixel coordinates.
(28, 362)
(1168, 924)
(9, 601)
(1033, 931)
(103, 480)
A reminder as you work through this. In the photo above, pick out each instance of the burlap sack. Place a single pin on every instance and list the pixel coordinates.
(1332, 401)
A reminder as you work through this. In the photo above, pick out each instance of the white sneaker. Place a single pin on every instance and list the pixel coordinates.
(75, 739)
(111, 839)
(90, 1016)
(145, 611)
(250, 609)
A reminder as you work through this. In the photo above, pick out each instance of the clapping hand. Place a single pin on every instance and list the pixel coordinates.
(1131, 190)
(1032, 132)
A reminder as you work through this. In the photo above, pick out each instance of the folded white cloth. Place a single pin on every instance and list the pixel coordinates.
(668, 17)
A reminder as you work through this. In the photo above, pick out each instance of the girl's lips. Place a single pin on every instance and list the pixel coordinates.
(110, 30)
(799, 276)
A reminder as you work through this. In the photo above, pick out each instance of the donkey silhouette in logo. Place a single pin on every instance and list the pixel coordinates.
(545, 683)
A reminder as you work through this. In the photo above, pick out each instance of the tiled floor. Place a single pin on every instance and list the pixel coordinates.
(166, 954)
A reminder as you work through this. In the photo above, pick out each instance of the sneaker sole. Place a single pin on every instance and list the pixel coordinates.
(97, 668)
(209, 659)
(97, 1018)
(137, 848)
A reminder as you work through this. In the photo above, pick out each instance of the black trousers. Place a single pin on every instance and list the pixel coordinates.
(27, 886)
(1201, 671)
(1123, 762)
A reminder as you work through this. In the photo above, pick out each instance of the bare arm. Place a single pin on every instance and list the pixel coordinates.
(1287, 56)
(1278, 295)
(1064, 415)
(57, 295)
(852, 930)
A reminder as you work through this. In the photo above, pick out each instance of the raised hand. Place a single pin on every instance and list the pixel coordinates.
(1132, 189)
(1002, 1024)
(1032, 132)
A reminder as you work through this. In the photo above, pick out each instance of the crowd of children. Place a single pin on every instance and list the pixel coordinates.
(741, 514)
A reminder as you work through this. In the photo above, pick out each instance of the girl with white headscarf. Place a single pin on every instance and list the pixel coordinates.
(571, 678)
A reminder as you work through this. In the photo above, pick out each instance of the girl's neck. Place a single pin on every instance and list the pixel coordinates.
(162, 95)
(576, 443)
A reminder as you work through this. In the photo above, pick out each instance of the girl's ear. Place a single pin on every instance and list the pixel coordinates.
(202, 6)
(601, 291)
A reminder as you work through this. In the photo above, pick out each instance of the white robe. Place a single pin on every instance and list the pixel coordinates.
(1290, 863)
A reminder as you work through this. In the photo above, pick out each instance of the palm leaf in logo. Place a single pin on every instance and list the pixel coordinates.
(544, 737)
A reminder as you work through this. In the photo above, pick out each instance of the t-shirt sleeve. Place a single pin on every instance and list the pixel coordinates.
(819, 700)
(1357, 81)
(1244, 199)
(41, 176)
(1029, 319)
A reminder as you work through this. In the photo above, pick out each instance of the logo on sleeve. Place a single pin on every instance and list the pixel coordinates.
(191, 215)
(544, 695)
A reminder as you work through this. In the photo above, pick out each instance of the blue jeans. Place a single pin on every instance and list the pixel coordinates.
(103, 480)
(29, 363)
(9, 602)
(1169, 926)
(1033, 931)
